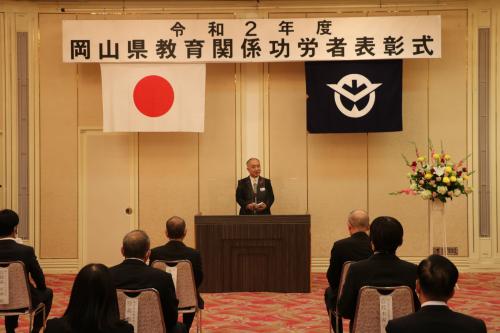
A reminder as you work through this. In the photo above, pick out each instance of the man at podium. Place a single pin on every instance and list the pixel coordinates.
(254, 193)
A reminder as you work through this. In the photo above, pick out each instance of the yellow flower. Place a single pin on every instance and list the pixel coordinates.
(453, 179)
(428, 176)
(465, 177)
(436, 156)
(446, 180)
(447, 157)
(447, 169)
(421, 159)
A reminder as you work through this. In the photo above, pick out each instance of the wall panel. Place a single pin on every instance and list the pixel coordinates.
(217, 150)
(288, 137)
(89, 95)
(58, 144)
(337, 185)
(217, 145)
(337, 179)
(168, 182)
(387, 170)
(448, 111)
(2, 73)
(89, 91)
(2, 114)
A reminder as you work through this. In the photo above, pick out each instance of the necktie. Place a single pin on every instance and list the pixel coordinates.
(254, 187)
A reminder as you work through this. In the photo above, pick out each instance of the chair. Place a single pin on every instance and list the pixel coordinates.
(377, 305)
(19, 300)
(185, 286)
(343, 275)
(142, 308)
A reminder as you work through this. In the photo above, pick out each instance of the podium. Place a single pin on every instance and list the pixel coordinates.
(255, 252)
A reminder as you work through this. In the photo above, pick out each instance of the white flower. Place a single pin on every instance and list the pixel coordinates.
(426, 195)
(457, 192)
(442, 189)
(460, 180)
(413, 187)
(439, 170)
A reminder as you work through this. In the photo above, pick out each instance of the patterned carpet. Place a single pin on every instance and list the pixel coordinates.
(478, 295)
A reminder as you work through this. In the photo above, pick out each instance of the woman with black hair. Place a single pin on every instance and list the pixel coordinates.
(93, 305)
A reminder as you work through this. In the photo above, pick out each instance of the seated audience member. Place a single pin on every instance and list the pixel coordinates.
(133, 273)
(93, 305)
(353, 248)
(382, 269)
(436, 279)
(175, 249)
(10, 250)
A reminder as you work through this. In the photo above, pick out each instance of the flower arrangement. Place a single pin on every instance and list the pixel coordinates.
(439, 178)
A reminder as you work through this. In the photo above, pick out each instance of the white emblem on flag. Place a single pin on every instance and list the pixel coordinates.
(354, 87)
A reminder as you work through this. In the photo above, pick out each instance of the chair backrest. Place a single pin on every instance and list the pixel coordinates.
(185, 287)
(377, 305)
(343, 275)
(18, 289)
(142, 308)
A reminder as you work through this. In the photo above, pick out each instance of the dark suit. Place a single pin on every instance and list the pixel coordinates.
(436, 319)
(135, 274)
(60, 325)
(177, 250)
(10, 250)
(380, 270)
(246, 195)
(354, 248)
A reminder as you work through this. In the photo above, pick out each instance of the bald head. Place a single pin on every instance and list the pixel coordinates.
(176, 228)
(136, 244)
(359, 220)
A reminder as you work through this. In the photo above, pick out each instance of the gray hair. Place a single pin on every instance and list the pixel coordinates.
(251, 159)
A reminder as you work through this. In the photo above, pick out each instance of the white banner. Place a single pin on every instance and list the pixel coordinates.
(252, 40)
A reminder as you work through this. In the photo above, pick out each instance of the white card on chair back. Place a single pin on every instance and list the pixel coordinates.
(385, 311)
(173, 271)
(132, 311)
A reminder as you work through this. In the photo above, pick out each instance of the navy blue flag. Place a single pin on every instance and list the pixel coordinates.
(354, 96)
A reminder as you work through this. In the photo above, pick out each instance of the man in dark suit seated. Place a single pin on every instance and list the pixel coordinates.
(354, 248)
(436, 281)
(175, 249)
(382, 269)
(10, 250)
(133, 273)
(254, 193)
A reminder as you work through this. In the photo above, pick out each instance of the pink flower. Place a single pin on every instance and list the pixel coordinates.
(408, 191)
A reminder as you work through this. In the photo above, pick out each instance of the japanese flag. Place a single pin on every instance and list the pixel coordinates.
(153, 97)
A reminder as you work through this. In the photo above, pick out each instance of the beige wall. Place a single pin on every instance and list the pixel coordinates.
(58, 144)
(2, 116)
(325, 175)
